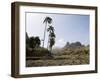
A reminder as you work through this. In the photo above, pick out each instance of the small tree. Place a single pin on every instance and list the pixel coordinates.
(34, 42)
(38, 42)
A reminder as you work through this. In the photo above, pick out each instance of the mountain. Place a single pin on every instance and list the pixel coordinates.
(73, 45)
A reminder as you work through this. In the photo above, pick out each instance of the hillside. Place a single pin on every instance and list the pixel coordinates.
(70, 54)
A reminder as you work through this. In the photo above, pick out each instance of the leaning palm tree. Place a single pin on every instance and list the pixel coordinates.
(47, 21)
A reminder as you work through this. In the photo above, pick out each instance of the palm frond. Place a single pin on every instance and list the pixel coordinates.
(47, 19)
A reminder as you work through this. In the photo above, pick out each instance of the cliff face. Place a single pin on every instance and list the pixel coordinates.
(70, 47)
(73, 45)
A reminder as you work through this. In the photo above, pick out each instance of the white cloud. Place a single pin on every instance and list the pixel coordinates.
(60, 43)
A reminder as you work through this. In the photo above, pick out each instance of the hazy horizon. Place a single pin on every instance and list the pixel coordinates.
(68, 28)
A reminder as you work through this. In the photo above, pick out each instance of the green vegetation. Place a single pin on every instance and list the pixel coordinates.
(33, 48)
(70, 54)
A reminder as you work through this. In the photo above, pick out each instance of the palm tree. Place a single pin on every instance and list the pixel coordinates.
(52, 42)
(52, 36)
(47, 20)
(50, 30)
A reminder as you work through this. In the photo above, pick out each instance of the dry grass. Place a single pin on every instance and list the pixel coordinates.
(58, 60)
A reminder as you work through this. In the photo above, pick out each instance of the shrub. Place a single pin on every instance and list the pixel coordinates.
(37, 52)
(40, 52)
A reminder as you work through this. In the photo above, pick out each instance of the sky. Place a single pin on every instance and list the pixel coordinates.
(68, 27)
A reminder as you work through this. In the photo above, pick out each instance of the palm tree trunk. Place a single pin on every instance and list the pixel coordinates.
(50, 51)
(44, 34)
(48, 44)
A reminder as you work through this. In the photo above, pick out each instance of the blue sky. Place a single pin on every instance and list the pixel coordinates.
(68, 27)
